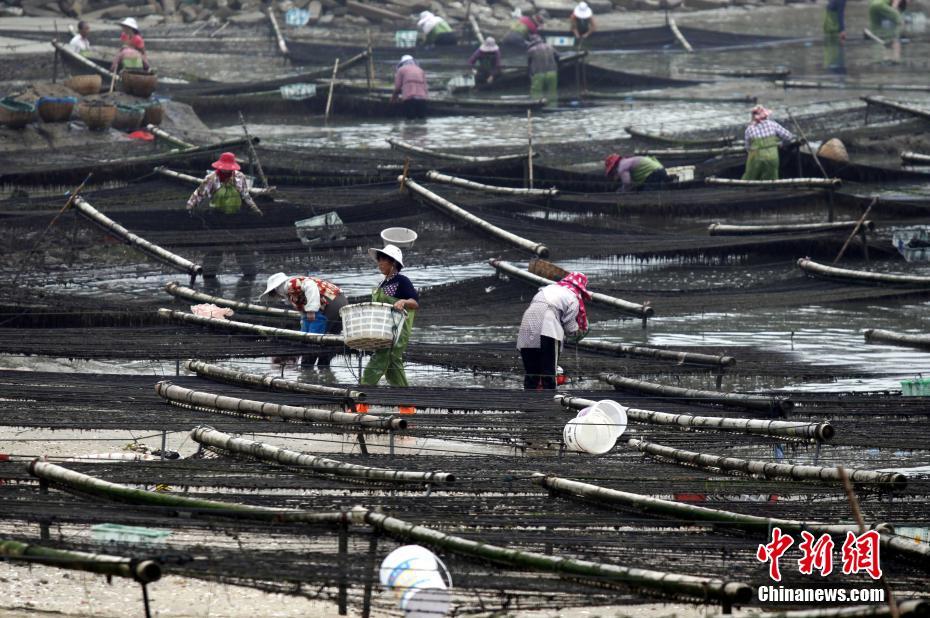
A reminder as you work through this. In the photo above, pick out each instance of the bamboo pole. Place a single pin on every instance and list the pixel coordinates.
(813, 154)
(855, 230)
(253, 329)
(900, 107)
(143, 571)
(827, 183)
(477, 186)
(282, 45)
(71, 480)
(171, 139)
(179, 394)
(332, 85)
(529, 144)
(252, 153)
(899, 545)
(861, 276)
(462, 214)
(624, 306)
(692, 152)
(681, 141)
(67, 52)
(915, 158)
(678, 35)
(475, 28)
(674, 356)
(771, 73)
(403, 146)
(723, 229)
(658, 581)
(370, 65)
(868, 34)
(254, 191)
(877, 335)
(272, 454)
(820, 432)
(180, 291)
(909, 608)
(776, 405)
(885, 480)
(215, 372)
(150, 249)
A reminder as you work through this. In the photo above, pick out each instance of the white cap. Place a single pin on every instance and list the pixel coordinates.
(406, 58)
(425, 16)
(582, 11)
(391, 251)
(274, 281)
(131, 23)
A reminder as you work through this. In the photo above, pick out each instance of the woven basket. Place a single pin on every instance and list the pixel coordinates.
(834, 150)
(371, 326)
(140, 83)
(128, 117)
(154, 114)
(56, 109)
(16, 114)
(546, 269)
(97, 116)
(85, 84)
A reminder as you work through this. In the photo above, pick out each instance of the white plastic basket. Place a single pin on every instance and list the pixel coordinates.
(400, 237)
(371, 326)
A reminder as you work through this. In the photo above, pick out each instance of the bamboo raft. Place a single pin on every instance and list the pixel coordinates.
(860, 276)
(800, 183)
(723, 229)
(910, 340)
(477, 186)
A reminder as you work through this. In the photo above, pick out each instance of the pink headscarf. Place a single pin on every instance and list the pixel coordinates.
(760, 114)
(577, 284)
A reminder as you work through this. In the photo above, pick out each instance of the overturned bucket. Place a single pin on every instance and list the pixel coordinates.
(412, 573)
(615, 413)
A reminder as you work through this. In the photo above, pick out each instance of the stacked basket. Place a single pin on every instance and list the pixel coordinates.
(128, 117)
(140, 83)
(97, 114)
(55, 109)
(85, 84)
(16, 114)
(154, 112)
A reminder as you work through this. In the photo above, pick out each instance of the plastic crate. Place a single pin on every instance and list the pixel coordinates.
(918, 387)
(321, 228)
(405, 39)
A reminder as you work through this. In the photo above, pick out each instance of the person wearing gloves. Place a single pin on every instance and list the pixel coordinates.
(486, 61)
(762, 139)
(436, 30)
(582, 24)
(410, 86)
(318, 301)
(557, 311)
(397, 290)
(636, 173)
(225, 189)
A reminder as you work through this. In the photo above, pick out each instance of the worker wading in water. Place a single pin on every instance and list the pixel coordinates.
(225, 189)
(763, 137)
(543, 66)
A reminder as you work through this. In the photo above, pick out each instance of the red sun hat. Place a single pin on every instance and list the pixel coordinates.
(226, 163)
(611, 162)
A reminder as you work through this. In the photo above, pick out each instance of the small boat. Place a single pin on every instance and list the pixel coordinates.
(663, 37)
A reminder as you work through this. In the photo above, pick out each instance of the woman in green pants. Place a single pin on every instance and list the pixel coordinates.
(397, 290)
(763, 137)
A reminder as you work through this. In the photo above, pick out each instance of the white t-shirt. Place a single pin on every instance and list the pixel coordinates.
(79, 44)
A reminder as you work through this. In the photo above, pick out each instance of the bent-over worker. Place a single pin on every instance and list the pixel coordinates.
(410, 86)
(486, 61)
(436, 30)
(762, 139)
(638, 173)
(522, 29)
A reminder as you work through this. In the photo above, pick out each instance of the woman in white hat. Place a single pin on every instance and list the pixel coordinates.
(318, 301)
(582, 23)
(436, 30)
(397, 290)
(486, 61)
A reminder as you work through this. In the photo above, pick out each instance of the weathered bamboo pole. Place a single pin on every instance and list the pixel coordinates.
(150, 249)
(820, 432)
(658, 581)
(724, 229)
(695, 152)
(215, 372)
(624, 306)
(861, 276)
(252, 329)
(827, 183)
(769, 73)
(529, 147)
(85, 484)
(477, 186)
(265, 452)
(171, 139)
(900, 107)
(855, 230)
(740, 400)
(403, 146)
(187, 396)
(851, 85)
(78, 58)
(886, 480)
(252, 153)
(181, 291)
(282, 45)
(678, 35)
(332, 86)
(877, 335)
(254, 191)
(915, 158)
(677, 357)
(460, 213)
(910, 608)
(874, 37)
(681, 141)
(476, 29)
(143, 571)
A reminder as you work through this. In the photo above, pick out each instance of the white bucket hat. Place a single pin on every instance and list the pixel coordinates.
(391, 251)
(489, 45)
(583, 11)
(130, 22)
(425, 16)
(274, 281)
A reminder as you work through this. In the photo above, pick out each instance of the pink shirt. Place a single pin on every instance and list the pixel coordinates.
(410, 82)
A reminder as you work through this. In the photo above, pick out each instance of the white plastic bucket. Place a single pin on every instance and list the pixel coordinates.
(371, 326)
(412, 572)
(590, 433)
(613, 411)
(399, 237)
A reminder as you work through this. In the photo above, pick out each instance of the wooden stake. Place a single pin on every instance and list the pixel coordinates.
(254, 155)
(476, 29)
(113, 78)
(529, 159)
(282, 45)
(371, 64)
(678, 35)
(855, 230)
(403, 178)
(55, 66)
(332, 85)
(804, 137)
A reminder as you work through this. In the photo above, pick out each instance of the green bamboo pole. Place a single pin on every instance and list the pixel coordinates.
(201, 399)
(820, 432)
(265, 452)
(210, 371)
(739, 400)
(143, 571)
(658, 581)
(885, 480)
(252, 329)
(181, 291)
(85, 484)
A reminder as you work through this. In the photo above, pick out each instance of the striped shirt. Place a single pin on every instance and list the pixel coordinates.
(766, 128)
